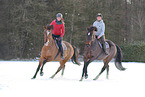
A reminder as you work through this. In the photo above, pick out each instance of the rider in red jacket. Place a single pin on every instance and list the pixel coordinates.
(58, 31)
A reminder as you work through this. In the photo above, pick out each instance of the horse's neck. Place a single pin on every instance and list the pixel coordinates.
(51, 44)
(95, 44)
(50, 37)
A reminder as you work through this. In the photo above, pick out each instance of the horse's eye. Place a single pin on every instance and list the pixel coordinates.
(89, 33)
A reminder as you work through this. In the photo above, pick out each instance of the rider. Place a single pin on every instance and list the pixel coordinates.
(99, 24)
(58, 31)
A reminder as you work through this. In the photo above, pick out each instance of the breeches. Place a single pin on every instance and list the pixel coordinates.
(102, 39)
(59, 41)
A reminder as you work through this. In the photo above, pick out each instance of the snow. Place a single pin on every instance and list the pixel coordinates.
(15, 80)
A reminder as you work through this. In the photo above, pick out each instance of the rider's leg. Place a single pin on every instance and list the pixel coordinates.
(59, 42)
(103, 44)
(61, 48)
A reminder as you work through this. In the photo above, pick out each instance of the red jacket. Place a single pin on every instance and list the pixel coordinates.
(58, 29)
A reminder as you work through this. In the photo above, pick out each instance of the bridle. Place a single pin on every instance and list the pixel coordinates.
(90, 37)
(47, 32)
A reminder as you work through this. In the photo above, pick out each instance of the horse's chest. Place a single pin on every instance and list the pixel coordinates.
(93, 48)
(89, 53)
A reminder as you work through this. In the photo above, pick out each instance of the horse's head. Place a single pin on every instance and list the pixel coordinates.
(90, 35)
(48, 32)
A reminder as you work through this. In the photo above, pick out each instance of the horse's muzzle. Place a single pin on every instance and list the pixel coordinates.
(88, 43)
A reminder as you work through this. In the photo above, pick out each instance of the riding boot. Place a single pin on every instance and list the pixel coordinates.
(104, 49)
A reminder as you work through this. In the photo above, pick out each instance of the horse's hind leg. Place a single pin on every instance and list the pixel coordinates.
(104, 67)
(60, 67)
(107, 71)
(107, 60)
(40, 63)
(63, 70)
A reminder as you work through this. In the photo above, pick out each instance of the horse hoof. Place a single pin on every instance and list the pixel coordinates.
(41, 73)
(33, 78)
(52, 76)
(86, 76)
(95, 78)
(81, 79)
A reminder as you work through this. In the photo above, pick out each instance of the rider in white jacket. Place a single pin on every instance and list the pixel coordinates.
(99, 24)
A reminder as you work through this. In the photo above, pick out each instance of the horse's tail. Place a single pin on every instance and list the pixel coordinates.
(118, 59)
(74, 58)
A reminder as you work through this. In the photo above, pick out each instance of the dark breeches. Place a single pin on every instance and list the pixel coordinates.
(59, 42)
(102, 39)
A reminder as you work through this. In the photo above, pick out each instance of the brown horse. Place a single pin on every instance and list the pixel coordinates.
(50, 52)
(93, 51)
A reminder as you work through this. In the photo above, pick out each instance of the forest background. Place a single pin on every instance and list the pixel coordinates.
(21, 25)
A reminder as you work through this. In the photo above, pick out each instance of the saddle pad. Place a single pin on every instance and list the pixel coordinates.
(64, 46)
(106, 44)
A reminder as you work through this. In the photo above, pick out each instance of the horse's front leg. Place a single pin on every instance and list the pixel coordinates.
(85, 70)
(41, 72)
(86, 63)
(40, 63)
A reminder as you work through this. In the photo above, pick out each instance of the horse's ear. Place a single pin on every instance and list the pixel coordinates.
(95, 29)
(87, 28)
(51, 26)
(44, 27)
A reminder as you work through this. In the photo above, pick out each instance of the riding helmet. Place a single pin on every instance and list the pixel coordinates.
(99, 14)
(59, 15)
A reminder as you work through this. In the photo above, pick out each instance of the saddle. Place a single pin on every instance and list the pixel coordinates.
(106, 44)
(63, 45)
(64, 49)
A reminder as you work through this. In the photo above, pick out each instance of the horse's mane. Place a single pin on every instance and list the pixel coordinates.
(92, 28)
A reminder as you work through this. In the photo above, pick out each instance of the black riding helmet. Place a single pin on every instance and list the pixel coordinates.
(99, 14)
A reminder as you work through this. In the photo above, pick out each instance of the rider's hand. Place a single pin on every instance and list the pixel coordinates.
(58, 38)
(98, 37)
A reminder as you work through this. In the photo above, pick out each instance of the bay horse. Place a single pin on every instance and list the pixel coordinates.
(50, 52)
(93, 51)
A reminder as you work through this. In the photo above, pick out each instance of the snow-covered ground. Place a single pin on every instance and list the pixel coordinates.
(15, 80)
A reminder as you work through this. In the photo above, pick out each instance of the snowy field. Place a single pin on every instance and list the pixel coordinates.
(15, 80)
